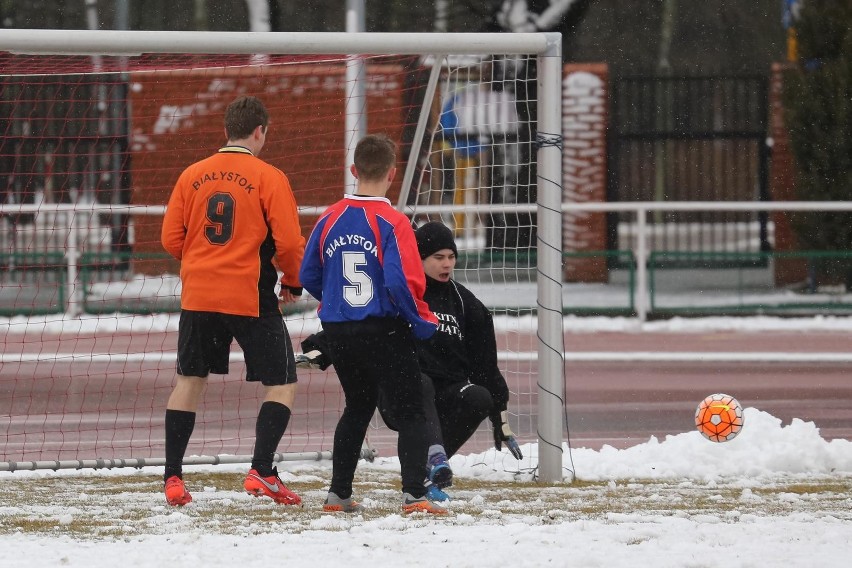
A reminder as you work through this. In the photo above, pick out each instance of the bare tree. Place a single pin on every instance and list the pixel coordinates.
(259, 12)
(523, 16)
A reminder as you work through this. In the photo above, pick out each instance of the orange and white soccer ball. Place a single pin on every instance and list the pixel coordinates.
(719, 417)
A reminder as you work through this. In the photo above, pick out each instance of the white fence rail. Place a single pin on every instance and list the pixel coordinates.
(640, 209)
(641, 249)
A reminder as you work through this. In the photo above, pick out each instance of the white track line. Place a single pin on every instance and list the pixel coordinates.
(591, 356)
(692, 357)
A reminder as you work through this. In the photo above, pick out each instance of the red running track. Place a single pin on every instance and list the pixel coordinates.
(82, 407)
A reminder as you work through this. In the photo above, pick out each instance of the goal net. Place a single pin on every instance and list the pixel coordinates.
(93, 140)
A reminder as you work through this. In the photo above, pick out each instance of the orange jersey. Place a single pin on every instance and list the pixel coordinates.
(228, 216)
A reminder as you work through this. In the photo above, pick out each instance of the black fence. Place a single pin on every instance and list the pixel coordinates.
(690, 139)
(64, 139)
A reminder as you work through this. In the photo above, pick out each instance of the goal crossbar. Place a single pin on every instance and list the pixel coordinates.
(135, 42)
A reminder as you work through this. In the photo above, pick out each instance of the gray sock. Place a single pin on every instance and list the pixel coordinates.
(436, 449)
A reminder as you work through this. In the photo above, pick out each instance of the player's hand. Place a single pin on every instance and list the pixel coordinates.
(503, 433)
(286, 296)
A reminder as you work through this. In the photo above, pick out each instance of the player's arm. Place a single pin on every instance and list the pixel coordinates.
(283, 218)
(310, 271)
(173, 231)
(405, 280)
(481, 350)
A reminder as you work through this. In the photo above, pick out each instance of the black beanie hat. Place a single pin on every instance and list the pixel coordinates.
(434, 236)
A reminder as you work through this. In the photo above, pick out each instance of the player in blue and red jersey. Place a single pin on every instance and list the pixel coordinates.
(361, 262)
(462, 383)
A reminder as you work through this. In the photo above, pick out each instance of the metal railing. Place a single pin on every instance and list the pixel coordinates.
(641, 209)
(641, 252)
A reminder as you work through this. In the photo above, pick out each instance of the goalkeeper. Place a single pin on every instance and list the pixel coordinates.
(458, 363)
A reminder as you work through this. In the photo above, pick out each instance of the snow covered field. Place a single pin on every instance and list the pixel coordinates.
(776, 495)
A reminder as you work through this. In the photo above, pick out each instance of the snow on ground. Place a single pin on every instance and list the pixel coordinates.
(306, 323)
(776, 495)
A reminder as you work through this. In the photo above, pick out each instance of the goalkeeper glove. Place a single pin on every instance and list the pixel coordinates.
(503, 433)
(312, 360)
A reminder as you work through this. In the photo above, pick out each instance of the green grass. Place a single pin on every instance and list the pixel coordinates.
(92, 507)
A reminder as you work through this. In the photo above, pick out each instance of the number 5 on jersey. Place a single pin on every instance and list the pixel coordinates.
(360, 291)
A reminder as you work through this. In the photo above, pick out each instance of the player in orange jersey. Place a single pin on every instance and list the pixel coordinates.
(229, 216)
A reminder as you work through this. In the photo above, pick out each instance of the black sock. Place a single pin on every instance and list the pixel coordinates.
(179, 427)
(272, 421)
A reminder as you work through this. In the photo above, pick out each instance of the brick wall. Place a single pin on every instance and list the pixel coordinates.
(177, 118)
(782, 184)
(585, 89)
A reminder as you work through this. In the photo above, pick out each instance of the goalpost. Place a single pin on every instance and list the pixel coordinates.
(95, 127)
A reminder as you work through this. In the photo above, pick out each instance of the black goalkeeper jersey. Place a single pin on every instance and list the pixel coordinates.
(463, 348)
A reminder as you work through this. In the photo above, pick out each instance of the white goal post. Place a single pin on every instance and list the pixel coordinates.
(545, 47)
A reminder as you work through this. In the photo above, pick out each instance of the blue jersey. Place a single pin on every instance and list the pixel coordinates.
(361, 261)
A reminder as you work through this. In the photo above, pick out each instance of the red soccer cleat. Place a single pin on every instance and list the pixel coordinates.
(176, 493)
(271, 486)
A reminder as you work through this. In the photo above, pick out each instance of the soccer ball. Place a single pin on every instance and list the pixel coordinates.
(719, 418)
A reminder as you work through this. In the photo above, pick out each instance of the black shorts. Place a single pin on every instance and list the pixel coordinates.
(204, 346)
(377, 357)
